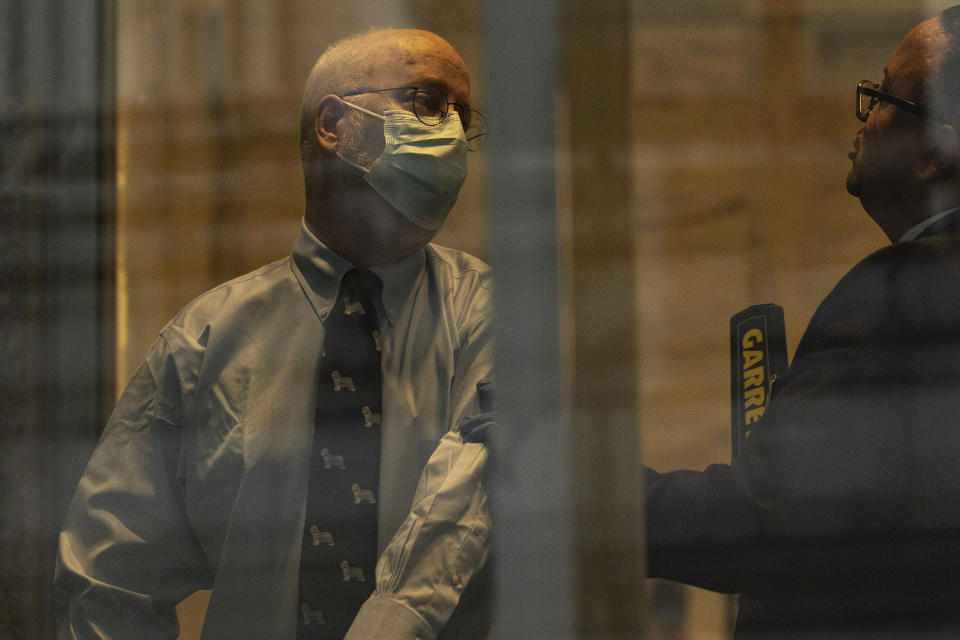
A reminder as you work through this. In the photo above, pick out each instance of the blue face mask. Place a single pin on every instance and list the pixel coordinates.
(422, 167)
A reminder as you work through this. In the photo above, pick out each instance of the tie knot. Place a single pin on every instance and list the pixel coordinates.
(361, 283)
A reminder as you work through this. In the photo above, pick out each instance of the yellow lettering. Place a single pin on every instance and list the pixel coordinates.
(754, 397)
(752, 337)
(751, 357)
(753, 415)
(753, 377)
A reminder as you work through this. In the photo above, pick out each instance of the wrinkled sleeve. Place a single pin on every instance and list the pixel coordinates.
(444, 540)
(438, 549)
(127, 553)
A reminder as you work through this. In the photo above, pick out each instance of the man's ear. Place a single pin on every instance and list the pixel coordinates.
(329, 112)
(941, 156)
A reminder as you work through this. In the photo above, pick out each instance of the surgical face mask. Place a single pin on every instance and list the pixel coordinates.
(422, 167)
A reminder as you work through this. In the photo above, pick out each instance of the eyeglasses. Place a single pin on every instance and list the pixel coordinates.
(868, 96)
(430, 105)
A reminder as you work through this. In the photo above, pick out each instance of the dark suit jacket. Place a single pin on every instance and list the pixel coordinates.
(841, 519)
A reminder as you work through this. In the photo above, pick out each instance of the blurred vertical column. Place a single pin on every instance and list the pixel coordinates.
(566, 484)
(56, 186)
(532, 479)
(605, 370)
(788, 117)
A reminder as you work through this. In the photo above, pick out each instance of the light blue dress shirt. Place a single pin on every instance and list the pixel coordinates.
(199, 480)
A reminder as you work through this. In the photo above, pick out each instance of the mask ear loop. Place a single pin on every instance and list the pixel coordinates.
(366, 111)
(347, 161)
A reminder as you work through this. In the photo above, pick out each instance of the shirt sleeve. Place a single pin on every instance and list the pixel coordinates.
(127, 553)
(435, 553)
(443, 542)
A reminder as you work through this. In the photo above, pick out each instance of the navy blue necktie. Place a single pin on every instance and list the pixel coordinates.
(339, 552)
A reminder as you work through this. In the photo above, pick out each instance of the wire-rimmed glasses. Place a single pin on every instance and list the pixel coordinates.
(431, 106)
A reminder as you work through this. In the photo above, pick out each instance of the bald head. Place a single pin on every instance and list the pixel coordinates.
(906, 166)
(943, 87)
(372, 71)
(373, 60)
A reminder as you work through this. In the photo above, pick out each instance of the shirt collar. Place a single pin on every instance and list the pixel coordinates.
(917, 230)
(322, 270)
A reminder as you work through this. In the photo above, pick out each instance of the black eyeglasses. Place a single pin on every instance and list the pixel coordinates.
(868, 95)
(430, 105)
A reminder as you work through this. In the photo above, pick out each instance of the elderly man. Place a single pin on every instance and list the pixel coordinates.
(271, 443)
(841, 518)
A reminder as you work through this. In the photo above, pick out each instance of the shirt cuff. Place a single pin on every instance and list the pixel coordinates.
(384, 619)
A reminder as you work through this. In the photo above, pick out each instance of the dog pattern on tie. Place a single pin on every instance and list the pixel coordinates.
(362, 495)
(342, 382)
(351, 573)
(369, 417)
(311, 616)
(351, 307)
(331, 460)
(321, 537)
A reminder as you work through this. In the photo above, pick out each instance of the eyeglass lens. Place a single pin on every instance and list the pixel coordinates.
(430, 106)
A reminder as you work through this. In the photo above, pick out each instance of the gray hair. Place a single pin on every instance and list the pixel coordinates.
(343, 67)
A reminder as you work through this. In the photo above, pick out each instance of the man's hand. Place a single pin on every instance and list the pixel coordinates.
(480, 428)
